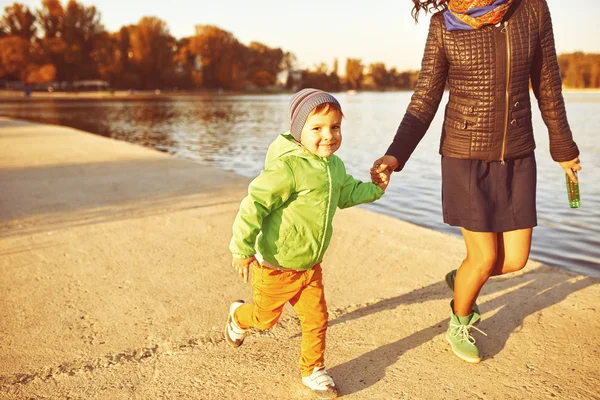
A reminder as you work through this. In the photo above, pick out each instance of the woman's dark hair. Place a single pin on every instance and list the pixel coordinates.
(427, 6)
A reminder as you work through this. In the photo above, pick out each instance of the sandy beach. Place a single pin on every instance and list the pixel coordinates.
(115, 281)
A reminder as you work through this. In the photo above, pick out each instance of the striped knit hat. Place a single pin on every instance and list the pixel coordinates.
(301, 106)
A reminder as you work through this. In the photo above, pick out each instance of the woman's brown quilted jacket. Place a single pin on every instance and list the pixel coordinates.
(488, 115)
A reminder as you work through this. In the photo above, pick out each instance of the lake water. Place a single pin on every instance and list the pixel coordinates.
(233, 132)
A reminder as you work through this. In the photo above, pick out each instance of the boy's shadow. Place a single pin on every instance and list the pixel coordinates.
(435, 291)
(540, 295)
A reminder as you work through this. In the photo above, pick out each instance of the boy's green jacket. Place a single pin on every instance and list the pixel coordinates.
(287, 214)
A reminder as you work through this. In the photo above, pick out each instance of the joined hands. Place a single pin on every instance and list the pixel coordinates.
(382, 170)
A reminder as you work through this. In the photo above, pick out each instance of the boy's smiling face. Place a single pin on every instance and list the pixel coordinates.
(322, 133)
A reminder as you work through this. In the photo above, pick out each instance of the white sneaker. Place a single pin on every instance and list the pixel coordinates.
(234, 335)
(321, 384)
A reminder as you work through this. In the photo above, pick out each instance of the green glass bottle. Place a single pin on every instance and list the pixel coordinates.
(573, 193)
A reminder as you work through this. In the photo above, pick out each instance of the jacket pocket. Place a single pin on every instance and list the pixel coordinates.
(289, 241)
(461, 116)
(463, 101)
(461, 113)
(458, 121)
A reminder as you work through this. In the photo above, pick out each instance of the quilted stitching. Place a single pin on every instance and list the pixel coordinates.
(475, 65)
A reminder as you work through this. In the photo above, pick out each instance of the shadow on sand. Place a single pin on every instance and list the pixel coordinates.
(499, 327)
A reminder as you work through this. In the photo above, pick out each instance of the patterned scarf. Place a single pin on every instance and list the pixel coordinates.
(473, 14)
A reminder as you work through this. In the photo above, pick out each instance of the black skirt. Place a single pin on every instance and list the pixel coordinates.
(489, 196)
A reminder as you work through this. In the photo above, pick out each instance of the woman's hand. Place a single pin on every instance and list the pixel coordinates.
(382, 164)
(384, 179)
(571, 167)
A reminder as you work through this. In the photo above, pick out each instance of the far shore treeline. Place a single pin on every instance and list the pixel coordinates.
(67, 43)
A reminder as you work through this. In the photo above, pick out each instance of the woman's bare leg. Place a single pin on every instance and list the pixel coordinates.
(513, 251)
(488, 254)
(475, 270)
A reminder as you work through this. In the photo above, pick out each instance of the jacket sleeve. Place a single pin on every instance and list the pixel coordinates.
(355, 192)
(547, 87)
(426, 98)
(267, 192)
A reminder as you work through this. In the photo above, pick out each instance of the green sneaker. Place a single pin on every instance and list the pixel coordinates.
(460, 338)
(450, 278)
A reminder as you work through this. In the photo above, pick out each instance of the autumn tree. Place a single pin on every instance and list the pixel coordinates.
(580, 70)
(72, 34)
(187, 72)
(354, 72)
(118, 66)
(289, 60)
(403, 80)
(320, 77)
(152, 48)
(109, 59)
(334, 79)
(19, 21)
(14, 58)
(380, 75)
(221, 57)
(83, 34)
(20, 55)
(50, 18)
(41, 74)
(316, 78)
(18, 28)
(263, 64)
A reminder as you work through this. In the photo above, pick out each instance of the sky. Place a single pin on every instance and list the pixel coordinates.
(319, 31)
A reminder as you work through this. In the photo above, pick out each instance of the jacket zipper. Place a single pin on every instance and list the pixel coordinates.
(507, 106)
(320, 256)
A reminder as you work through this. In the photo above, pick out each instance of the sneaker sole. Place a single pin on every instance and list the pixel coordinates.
(234, 343)
(325, 394)
(228, 339)
(462, 357)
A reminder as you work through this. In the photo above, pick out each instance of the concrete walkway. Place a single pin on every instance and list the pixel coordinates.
(115, 281)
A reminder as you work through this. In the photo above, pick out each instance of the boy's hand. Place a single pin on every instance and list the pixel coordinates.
(382, 170)
(381, 165)
(382, 179)
(242, 266)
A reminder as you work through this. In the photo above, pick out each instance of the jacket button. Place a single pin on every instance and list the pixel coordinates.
(517, 104)
(471, 109)
(465, 125)
(513, 122)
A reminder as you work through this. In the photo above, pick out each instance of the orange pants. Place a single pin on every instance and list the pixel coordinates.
(304, 290)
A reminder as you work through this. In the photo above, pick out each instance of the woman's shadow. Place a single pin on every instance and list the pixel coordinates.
(540, 294)
(435, 291)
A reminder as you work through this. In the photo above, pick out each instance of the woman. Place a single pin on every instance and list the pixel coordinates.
(488, 51)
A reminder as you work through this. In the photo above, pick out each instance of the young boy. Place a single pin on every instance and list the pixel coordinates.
(284, 227)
